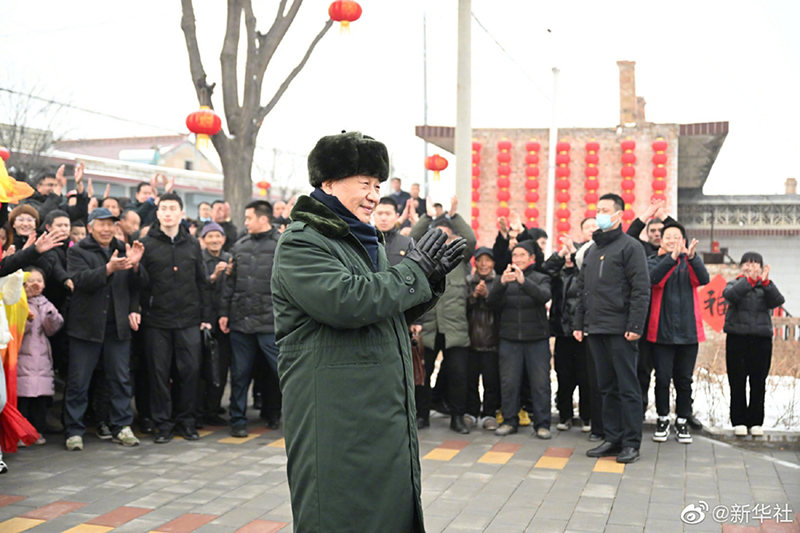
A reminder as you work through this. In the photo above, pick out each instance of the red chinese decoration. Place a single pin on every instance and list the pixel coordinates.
(203, 123)
(436, 163)
(503, 172)
(712, 305)
(591, 184)
(4, 153)
(659, 170)
(562, 186)
(344, 12)
(532, 181)
(476, 183)
(628, 172)
(263, 187)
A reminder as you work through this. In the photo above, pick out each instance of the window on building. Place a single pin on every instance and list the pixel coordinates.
(188, 164)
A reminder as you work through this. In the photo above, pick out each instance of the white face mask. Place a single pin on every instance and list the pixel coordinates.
(604, 221)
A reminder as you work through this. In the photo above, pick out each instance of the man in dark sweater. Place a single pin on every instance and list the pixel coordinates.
(615, 290)
(385, 218)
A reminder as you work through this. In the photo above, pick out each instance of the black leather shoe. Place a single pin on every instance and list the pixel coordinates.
(239, 432)
(199, 424)
(147, 426)
(273, 423)
(694, 423)
(423, 423)
(457, 424)
(628, 455)
(607, 449)
(164, 437)
(189, 432)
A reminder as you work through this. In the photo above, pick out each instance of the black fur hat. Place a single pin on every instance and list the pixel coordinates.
(348, 154)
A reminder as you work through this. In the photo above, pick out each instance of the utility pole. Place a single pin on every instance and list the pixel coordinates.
(551, 169)
(463, 138)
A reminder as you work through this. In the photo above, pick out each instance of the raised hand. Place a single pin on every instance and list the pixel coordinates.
(508, 275)
(108, 191)
(117, 263)
(49, 240)
(61, 180)
(429, 209)
(765, 275)
(519, 277)
(501, 221)
(429, 251)
(692, 250)
(93, 203)
(677, 249)
(514, 222)
(134, 253)
(452, 257)
(170, 185)
(453, 206)
(89, 188)
(79, 170)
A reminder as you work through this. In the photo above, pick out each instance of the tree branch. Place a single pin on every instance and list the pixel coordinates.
(293, 74)
(228, 59)
(195, 62)
(253, 75)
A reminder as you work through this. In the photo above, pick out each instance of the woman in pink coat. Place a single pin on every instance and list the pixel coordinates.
(35, 384)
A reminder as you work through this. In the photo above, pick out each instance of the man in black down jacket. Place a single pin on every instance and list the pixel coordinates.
(615, 291)
(103, 309)
(246, 310)
(521, 295)
(175, 307)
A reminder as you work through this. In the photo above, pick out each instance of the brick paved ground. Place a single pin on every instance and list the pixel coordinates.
(476, 482)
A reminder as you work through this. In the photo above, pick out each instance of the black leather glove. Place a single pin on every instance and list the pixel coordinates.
(452, 257)
(429, 251)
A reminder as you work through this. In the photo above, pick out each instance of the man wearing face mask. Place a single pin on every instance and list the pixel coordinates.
(341, 325)
(615, 291)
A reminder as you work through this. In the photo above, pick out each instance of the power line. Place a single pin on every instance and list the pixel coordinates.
(525, 72)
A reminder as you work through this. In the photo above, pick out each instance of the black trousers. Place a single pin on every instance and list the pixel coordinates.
(455, 364)
(615, 360)
(644, 368)
(483, 363)
(209, 397)
(141, 379)
(172, 353)
(748, 357)
(674, 362)
(596, 401)
(570, 363)
(34, 409)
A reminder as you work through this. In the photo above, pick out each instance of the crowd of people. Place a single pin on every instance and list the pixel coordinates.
(132, 303)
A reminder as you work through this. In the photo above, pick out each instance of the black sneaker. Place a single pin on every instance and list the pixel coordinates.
(694, 423)
(147, 426)
(103, 431)
(240, 432)
(662, 430)
(163, 437)
(682, 433)
(273, 422)
(628, 455)
(189, 432)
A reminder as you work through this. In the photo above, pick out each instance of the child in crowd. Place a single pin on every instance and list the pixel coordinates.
(35, 378)
(77, 232)
(748, 346)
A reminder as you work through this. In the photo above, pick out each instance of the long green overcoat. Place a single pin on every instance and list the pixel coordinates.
(347, 378)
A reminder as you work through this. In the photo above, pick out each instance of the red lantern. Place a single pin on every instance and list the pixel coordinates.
(436, 163)
(502, 211)
(476, 171)
(503, 196)
(628, 215)
(563, 226)
(504, 170)
(659, 172)
(628, 172)
(531, 212)
(476, 196)
(659, 159)
(532, 172)
(591, 185)
(475, 224)
(628, 197)
(562, 184)
(476, 159)
(203, 123)
(591, 159)
(503, 157)
(344, 12)
(532, 159)
(591, 197)
(531, 197)
(476, 183)
(562, 197)
(504, 145)
(659, 197)
(627, 145)
(562, 159)
(628, 158)
(660, 146)
(659, 185)
(503, 183)
(476, 146)
(563, 213)
(562, 172)
(562, 146)
(4, 153)
(531, 184)
(263, 187)
(475, 212)
(628, 184)
(591, 171)
(592, 146)
(533, 146)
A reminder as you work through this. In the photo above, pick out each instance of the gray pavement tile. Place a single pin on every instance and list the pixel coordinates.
(773, 495)
(616, 528)
(765, 481)
(587, 522)
(664, 511)
(487, 503)
(10, 511)
(662, 495)
(546, 525)
(567, 495)
(436, 524)
(429, 496)
(155, 499)
(470, 521)
(628, 513)
(201, 496)
(599, 490)
(249, 491)
(517, 516)
(214, 528)
(139, 525)
(238, 517)
(461, 492)
(504, 528)
(641, 486)
(594, 505)
(281, 513)
(663, 526)
(218, 506)
(439, 482)
(555, 510)
(446, 508)
(168, 512)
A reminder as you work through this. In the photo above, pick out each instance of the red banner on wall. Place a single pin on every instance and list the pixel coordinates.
(713, 305)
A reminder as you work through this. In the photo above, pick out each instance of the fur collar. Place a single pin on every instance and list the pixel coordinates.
(318, 216)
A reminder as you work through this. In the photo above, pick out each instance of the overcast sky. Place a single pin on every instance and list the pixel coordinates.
(734, 60)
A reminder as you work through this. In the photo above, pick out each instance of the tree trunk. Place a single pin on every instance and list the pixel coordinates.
(237, 164)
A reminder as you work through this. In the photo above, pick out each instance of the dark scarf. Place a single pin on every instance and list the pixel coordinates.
(601, 237)
(366, 234)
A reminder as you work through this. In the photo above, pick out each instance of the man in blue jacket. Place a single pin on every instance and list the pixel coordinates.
(676, 328)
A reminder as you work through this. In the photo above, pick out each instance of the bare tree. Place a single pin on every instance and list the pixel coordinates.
(244, 118)
(27, 124)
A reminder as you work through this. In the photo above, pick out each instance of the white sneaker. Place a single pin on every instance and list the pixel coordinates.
(74, 443)
(40, 441)
(740, 431)
(125, 437)
(586, 427)
(470, 421)
(489, 423)
(564, 426)
(757, 431)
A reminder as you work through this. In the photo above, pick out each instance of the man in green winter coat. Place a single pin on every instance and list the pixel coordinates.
(341, 324)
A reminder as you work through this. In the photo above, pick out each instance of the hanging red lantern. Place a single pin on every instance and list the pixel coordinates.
(344, 12)
(533, 146)
(263, 187)
(628, 172)
(532, 158)
(203, 124)
(532, 171)
(562, 185)
(503, 172)
(436, 163)
(531, 213)
(531, 180)
(660, 171)
(532, 184)
(591, 185)
(4, 153)
(531, 197)
(476, 183)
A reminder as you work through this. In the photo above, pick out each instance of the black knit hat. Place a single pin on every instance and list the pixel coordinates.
(348, 154)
